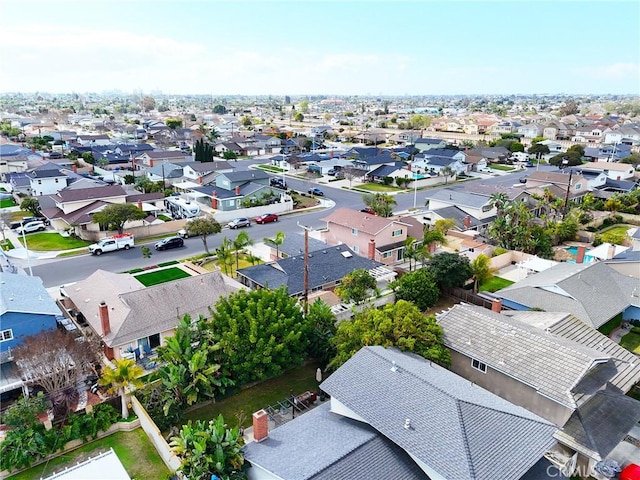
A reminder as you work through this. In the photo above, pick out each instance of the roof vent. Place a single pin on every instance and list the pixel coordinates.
(394, 367)
(346, 254)
(407, 424)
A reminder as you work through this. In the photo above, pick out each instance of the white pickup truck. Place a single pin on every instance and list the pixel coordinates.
(110, 244)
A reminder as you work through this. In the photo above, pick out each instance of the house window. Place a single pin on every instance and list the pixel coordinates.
(6, 335)
(396, 233)
(578, 186)
(355, 248)
(478, 365)
(354, 231)
(386, 255)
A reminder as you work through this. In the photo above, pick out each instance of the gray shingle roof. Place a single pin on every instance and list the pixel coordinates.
(25, 294)
(93, 193)
(325, 267)
(246, 176)
(323, 445)
(459, 197)
(550, 364)
(459, 216)
(457, 428)
(592, 292)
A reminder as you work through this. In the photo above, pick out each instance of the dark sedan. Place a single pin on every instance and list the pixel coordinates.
(170, 242)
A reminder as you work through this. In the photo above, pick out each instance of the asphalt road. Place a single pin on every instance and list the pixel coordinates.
(62, 271)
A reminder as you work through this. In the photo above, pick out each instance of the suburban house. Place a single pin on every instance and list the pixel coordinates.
(470, 211)
(553, 365)
(326, 267)
(506, 126)
(90, 140)
(489, 154)
(397, 415)
(425, 144)
(19, 181)
(26, 308)
(46, 179)
(236, 190)
(607, 153)
(554, 147)
(378, 238)
(532, 130)
(578, 188)
(205, 172)
(614, 171)
(231, 147)
(433, 164)
(370, 163)
(156, 157)
(397, 170)
(131, 319)
(624, 134)
(591, 133)
(595, 293)
(166, 172)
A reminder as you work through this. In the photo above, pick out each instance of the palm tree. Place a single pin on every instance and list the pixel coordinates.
(482, 270)
(241, 242)
(499, 200)
(447, 171)
(411, 250)
(276, 242)
(121, 377)
(224, 254)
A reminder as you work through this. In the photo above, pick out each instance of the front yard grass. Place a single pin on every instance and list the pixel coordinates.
(378, 187)
(270, 168)
(614, 232)
(231, 269)
(7, 202)
(303, 201)
(161, 276)
(244, 403)
(504, 168)
(135, 451)
(47, 242)
(631, 341)
(19, 215)
(495, 284)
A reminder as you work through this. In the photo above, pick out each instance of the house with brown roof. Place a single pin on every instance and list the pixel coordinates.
(378, 238)
(149, 159)
(131, 319)
(613, 170)
(560, 180)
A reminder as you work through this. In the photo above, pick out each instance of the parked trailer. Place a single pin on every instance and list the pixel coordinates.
(181, 208)
(110, 244)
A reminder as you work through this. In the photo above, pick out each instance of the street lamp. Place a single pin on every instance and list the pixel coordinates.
(24, 241)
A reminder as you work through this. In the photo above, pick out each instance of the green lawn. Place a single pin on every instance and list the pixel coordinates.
(19, 215)
(248, 401)
(161, 276)
(270, 168)
(46, 242)
(631, 341)
(615, 232)
(378, 187)
(231, 269)
(504, 168)
(135, 451)
(495, 284)
(7, 202)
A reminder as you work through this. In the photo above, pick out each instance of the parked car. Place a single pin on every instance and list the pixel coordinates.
(528, 164)
(333, 172)
(25, 220)
(183, 233)
(316, 191)
(30, 227)
(267, 218)
(368, 210)
(278, 183)
(169, 242)
(523, 180)
(239, 223)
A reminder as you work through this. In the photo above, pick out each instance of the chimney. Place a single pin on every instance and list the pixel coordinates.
(409, 166)
(200, 180)
(151, 162)
(140, 204)
(104, 319)
(75, 169)
(371, 253)
(496, 305)
(467, 222)
(611, 251)
(580, 255)
(214, 201)
(260, 425)
(237, 190)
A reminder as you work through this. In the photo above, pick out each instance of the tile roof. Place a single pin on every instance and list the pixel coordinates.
(326, 266)
(456, 428)
(136, 311)
(329, 446)
(593, 292)
(25, 294)
(573, 329)
(364, 222)
(550, 364)
(92, 193)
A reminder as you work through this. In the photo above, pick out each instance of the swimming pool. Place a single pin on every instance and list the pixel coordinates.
(574, 251)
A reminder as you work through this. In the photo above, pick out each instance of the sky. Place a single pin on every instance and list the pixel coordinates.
(332, 47)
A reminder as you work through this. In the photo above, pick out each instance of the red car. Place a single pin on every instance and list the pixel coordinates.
(267, 218)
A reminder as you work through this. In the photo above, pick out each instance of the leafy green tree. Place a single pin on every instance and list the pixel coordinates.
(400, 324)
(613, 204)
(323, 324)
(633, 159)
(512, 227)
(304, 106)
(114, 216)
(417, 287)
(261, 334)
(450, 270)
(516, 147)
(538, 150)
(246, 121)
(447, 172)
(381, 203)
(298, 117)
(436, 233)
(482, 270)
(356, 286)
(203, 151)
(229, 155)
(573, 157)
(203, 227)
(129, 179)
(24, 412)
(124, 375)
(31, 205)
(276, 241)
(88, 158)
(173, 123)
(209, 449)
(220, 109)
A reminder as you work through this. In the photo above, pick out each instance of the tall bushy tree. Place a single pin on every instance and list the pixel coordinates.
(482, 270)
(203, 151)
(381, 203)
(203, 227)
(210, 448)
(31, 205)
(400, 324)
(113, 217)
(450, 270)
(261, 333)
(417, 287)
(356, 286)
(323, 325)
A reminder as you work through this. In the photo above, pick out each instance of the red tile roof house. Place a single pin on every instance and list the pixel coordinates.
(378, 238)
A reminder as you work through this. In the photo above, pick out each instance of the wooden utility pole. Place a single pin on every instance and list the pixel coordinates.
(306, 268)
